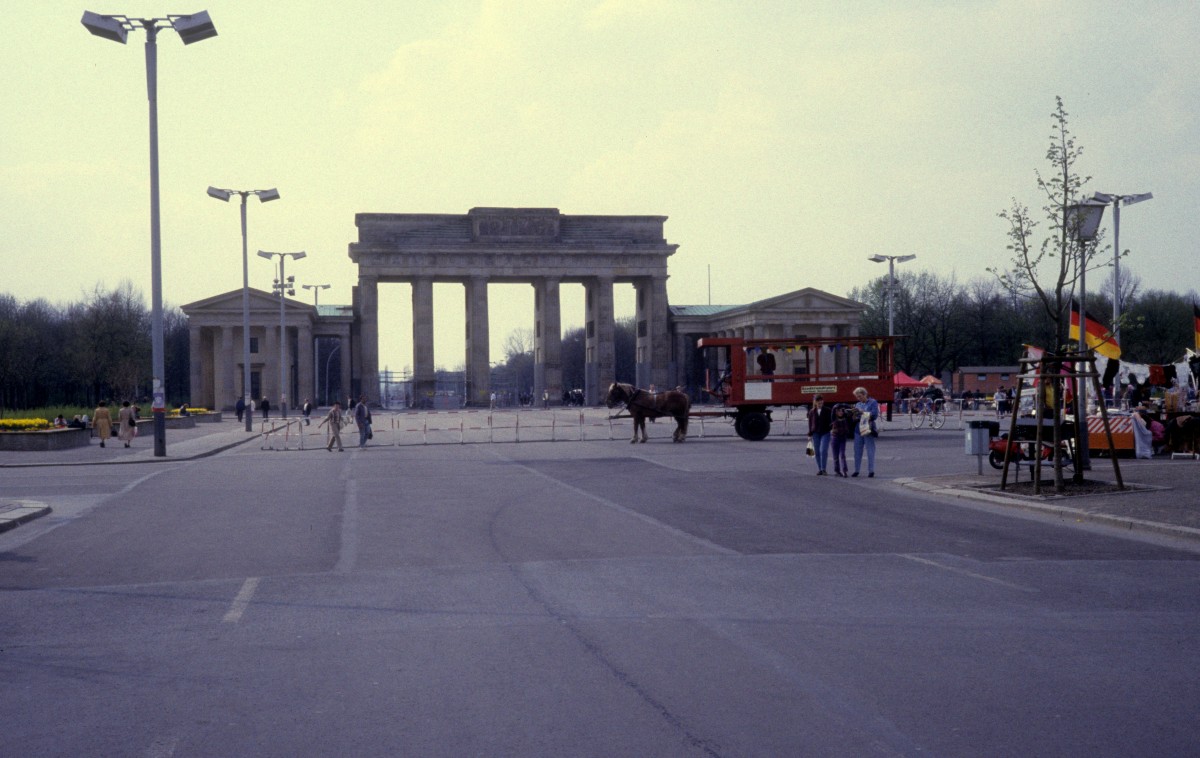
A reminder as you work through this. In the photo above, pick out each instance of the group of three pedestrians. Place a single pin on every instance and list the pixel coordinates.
(833, 427)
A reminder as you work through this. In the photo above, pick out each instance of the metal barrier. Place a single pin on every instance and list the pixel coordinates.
(282, 429)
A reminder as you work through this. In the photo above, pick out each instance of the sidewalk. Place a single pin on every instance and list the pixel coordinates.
(182, 444)
(1160, 495)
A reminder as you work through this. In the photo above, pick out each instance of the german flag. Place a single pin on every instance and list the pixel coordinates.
(1098, 337)
(1196, 325)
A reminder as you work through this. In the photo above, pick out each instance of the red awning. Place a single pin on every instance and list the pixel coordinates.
(902, 379)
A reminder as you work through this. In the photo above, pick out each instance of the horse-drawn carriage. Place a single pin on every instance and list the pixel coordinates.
(749, 377)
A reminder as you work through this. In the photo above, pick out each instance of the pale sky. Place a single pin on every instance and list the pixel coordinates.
(785, 141)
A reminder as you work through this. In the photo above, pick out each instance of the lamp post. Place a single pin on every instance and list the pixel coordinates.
(1117, 201)
(1083, 220)
(892, 260)
(316, 290)
(284, 287)
(191, 28)
(264, 196)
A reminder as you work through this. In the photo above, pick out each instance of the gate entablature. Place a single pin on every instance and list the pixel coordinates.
(536, 245)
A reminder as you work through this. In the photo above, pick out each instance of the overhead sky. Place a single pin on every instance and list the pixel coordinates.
(786, 141)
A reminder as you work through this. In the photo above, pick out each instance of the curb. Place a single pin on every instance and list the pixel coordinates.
(130, 461)
(1064, 512)
(21, 512)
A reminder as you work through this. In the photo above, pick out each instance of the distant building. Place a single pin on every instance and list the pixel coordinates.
(806, 312)
(319, 351)
(985, 379)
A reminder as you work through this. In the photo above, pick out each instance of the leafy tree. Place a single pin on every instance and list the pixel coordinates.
(1159, 326)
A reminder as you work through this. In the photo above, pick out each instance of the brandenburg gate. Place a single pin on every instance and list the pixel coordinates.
(539, 246)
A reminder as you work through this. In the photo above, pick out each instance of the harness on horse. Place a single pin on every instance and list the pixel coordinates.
(649, 409)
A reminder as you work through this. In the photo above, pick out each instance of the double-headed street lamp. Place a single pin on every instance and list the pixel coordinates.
(284, 287)
(191, 28)
(264, 196)
(1117, 201)
(892, 260)
(316, 290)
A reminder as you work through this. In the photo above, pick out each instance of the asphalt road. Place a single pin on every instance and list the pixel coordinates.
(579, 599)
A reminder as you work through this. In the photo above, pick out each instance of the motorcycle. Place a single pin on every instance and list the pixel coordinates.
(1018, 452)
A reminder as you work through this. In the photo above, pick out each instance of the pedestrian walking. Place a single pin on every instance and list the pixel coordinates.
(102, 422)
(334, 420)
(266, 408)
(362, 419)
(126, 424)
(240, 407)
(307, 410)
(820, 423)
(865, 430)
(840, 431)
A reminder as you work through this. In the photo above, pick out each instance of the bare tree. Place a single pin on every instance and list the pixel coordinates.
(1047, 272)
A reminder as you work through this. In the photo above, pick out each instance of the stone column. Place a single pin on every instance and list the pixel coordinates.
(653, 340)
(855, 354)
(225, 385)
(368, 320)
(269, 376)
(600, 361)
(196, 393)
(547, 352)
(478, 361)
(346, 358)
(307, 389)
(424, 378)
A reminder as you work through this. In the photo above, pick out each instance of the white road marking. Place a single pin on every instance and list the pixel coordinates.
(679, 533)
(238, 607)
(971, 574)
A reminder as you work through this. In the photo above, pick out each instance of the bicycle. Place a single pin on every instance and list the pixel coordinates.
(925, 408)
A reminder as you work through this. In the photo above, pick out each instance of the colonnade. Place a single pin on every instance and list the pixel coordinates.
(653, 341)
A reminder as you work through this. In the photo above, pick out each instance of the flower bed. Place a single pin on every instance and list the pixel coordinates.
(23, 424)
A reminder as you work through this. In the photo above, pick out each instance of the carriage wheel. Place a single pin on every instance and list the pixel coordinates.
(936, 419)
(916, 419)
(752, 426)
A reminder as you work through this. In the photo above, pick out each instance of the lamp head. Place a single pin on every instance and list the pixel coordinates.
(194, 28)
(299, 255)
(877, 258)
(1083, 219)
(105, 26)
(219, 194)
(268, 195)
(903, 258)
(264, 254)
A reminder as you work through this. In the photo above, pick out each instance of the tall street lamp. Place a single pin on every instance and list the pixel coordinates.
(316, 290)
(191, 28)
(892, 260)
(284, 287)
(264, 196)
(1117, 201)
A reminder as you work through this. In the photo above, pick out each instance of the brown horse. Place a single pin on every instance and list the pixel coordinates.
(643, 405)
